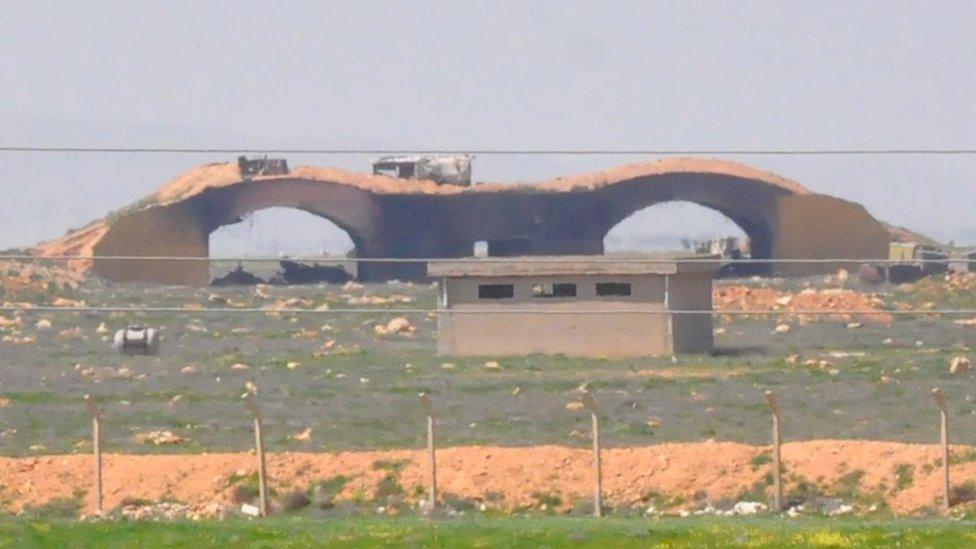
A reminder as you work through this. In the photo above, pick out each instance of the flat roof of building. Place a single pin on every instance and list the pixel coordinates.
(573, 265)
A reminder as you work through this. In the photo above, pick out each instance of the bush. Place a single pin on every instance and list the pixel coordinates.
(59, 508)
(243, 493)
(388, 487)
(962, 493)
(294, 501)
(325, 492)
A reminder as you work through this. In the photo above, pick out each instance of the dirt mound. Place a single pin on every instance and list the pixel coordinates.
(28, 280)
(687, 473)
(745, 298)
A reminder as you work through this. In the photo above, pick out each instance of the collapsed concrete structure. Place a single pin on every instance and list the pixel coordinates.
(390, 217)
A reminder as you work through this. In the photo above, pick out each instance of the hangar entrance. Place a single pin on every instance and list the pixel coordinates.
(280, 232)
(678, 226)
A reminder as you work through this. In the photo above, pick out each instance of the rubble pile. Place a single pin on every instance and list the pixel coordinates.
(17, 276)
(745, 298)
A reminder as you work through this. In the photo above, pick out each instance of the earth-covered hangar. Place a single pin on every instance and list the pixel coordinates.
(392, 217)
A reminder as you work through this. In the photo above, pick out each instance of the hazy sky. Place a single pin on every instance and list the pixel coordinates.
(488, 74)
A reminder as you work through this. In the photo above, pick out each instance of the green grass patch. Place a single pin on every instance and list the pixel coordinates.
(493, 532)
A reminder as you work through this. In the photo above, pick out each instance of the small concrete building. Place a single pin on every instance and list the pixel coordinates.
(574, 305)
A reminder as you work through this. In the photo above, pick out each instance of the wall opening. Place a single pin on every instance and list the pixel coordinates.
(554, 289)
(685, 227)
(496, 291)
(281, 232)
(677, 226)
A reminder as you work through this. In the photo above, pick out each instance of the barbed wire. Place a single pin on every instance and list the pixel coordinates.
(490, 259)
(493, 151)
(482, 311)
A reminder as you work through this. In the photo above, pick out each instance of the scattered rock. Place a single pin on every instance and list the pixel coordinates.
(781, 328)
(158, 438)
(959, 365)
(72, 333)
(398, 325)
(747, 508)
(492, 365)
(240, 366)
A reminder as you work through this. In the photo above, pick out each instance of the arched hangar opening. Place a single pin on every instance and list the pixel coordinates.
(280, 232)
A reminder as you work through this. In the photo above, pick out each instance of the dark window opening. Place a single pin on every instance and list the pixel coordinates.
(554, 289)
(608, 289)
(496, 291)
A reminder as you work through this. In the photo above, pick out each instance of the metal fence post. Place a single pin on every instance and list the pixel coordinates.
(96, 418)
(259, 451)
(431, 452)
(590, 403)
(773, 405)
(940, 399)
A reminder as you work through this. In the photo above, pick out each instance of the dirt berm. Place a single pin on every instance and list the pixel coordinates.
(507, 477)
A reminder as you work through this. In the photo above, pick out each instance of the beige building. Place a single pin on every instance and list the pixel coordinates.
(576, 306)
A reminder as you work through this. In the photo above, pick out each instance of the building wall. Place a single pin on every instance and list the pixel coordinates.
(691, 333)
(502, 332)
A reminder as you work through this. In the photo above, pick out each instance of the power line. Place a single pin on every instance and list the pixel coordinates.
(402, 311)
(494, 259)
(496, 151)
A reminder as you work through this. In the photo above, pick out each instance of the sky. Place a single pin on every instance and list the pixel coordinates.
(458, 75)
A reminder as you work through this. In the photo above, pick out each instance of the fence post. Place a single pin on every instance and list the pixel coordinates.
(773, 405)
(590, 403)
(96, 418)
(259, 451)
(431, 452)
(940, 399)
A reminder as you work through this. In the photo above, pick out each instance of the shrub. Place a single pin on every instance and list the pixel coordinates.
(59, 508)
(903, 476)
(325, 492)
(242, 493)
(962, 493)
(294, 501)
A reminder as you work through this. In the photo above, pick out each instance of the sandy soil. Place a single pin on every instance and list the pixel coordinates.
(717, 470)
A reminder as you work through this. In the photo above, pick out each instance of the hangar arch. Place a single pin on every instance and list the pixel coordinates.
(183, 228)
(669, 226)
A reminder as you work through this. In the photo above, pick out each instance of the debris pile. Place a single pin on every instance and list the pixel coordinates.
(30, 278)
(398, 325)
(745, 298)
(158, 438)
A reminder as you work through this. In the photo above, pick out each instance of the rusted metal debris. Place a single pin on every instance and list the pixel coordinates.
(251, 167)
(443, 170)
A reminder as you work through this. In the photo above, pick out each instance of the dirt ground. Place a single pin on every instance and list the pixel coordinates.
(506, 478)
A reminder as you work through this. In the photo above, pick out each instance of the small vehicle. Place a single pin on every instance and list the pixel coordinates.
(136, 340)
(908, 262)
